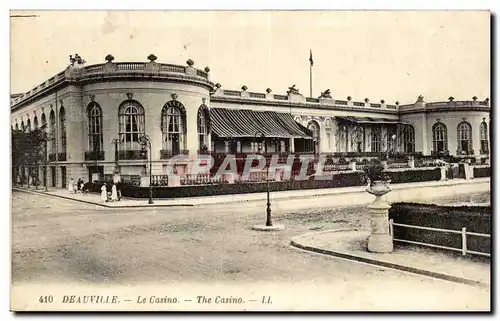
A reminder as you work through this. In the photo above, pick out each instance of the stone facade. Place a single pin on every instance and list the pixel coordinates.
(153, 85)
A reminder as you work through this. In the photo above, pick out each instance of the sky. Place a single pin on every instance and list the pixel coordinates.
(390, 55)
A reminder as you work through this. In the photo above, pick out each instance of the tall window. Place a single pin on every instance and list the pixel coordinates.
(22, 125)
(313, 126)
(44, 122)
(173, 126)
(94, 114)
(439, 137)
(52, 130)
(35, 123)
(17, 126)
(341, 138)
(28, 124)
(464, 136)
(483, 137)
(358, 139)
(62, 120)
(328, 129)
(203, 118)
(409, 139)
(376, 139)
(131, 116)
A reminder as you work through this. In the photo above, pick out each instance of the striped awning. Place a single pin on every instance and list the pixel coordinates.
(369, 120)
(247, 123)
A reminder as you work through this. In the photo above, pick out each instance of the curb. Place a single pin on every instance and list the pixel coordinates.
(98, 204)
(395, 266)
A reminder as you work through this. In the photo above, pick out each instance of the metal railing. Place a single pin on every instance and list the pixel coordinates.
(463, 232)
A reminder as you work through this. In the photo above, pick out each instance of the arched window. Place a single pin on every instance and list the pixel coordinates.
(409, 139)
(358, 139)
(173, 126)
(341, 138)
(17, 126)
(464, 137)
(131, 117)
(483, 137)
(94, 115)
(44, 123)
(52, 130)
(28, 125)
(328, 130)
(35, 123)
(390, 139)
(62, 123)
(376, 139)
(313, 126)
(203, 127)
(439, 137)
(22, 125)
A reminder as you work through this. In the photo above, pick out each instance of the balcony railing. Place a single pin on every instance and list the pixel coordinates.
(132, 154)
(166, 154)
(94, 155)
(61, 157)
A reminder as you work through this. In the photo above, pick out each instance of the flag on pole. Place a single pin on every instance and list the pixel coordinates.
(311, 58)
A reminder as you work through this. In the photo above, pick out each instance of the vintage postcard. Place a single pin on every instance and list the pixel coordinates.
(250, 160)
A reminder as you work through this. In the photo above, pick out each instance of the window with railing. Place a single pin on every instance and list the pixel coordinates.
(376, 139)
(131, 125)
(358, 139)
(313, 126)
(62, 121)
(483, 138)
(203, 130)
(464, 136)
(94, 115)
(439, 138)
(173, 126)
(52, 129)
(409, 139)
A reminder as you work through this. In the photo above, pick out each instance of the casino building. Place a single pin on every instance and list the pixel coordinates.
(97, 114)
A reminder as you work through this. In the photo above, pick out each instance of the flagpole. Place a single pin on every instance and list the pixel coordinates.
(310, 80)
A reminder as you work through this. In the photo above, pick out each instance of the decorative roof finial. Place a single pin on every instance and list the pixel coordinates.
(207, 69)
(152, 57)
(109, 58)
(190, 62)
(244, 88)
(269, 90)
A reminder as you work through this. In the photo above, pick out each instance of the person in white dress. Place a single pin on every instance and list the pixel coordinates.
(70, 185)
(104, 193)
(114, 194)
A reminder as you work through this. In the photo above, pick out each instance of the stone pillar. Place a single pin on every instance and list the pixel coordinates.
(380, 240)
(174, 180)
(352, 165)
(145, 181)
(384, 163)
(292, 145)
(411, 161)
(229, 177)
(443, 173)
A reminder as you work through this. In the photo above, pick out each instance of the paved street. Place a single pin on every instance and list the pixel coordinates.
(60, 241)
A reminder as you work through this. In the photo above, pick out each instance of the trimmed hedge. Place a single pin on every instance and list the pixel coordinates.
(475, 218)
(482, 171)
(339, 180)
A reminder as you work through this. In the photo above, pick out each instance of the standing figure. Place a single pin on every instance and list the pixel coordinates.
(104, 193)
(114, 194)
(70, 185)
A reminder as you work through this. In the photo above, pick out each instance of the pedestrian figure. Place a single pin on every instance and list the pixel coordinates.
(114, 194)
(70, 185)
(104, 193)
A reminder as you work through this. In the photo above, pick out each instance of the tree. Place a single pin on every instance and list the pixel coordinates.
(28, 149)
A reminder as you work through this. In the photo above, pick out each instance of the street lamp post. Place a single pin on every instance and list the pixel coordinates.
(260, 137)
(115, 142)
(146, 141)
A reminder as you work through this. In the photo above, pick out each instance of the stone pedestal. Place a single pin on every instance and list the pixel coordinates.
(174, 180)
(444, 169)
(144, 181)
(352, 165)
(411, 162)
(380, 240)
(229, 178)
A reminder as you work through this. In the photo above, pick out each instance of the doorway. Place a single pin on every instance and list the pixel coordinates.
(63, 176)
(53, 176)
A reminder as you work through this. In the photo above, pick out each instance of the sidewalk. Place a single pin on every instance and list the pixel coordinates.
(346, 196)
(352, 245)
